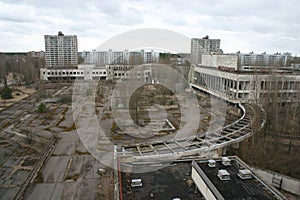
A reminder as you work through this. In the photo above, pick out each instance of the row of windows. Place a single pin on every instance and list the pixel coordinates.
(98, 72)
(221, 84)
(127, 74)
(71, 73)
(120, 67)
(280, 85)
(63, 73)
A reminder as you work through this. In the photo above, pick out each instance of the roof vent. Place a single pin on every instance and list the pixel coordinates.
(245, 174)
(226, 161)
(211, 163)
(136, 182)
(60, 33)
(223, 175)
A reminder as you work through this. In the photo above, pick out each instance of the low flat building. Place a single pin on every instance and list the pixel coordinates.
(84, 72)
(230, 181)
(279, 85)
(91, 72)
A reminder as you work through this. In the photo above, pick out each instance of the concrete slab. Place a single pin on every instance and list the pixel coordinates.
(12, 161)
(75, 167)
(68, 119)
(5, 172)
(80, 149)
(66, 146)
(42, 191)
(86, 189)
(20, 176)
(57, 191)
(88, 167)
(55, 168)
(8, 193)
(64, 149)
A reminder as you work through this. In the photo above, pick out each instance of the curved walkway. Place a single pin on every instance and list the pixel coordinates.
(252, 120)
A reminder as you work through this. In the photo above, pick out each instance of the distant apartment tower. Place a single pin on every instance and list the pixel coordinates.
(203, 46)
(137, 57)
(61, 50)
(252, 59)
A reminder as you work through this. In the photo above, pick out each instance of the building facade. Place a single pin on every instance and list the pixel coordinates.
(61, 51)
(263, 59)
(103, 58)
(84, 72)
(280, 86)
(229, 61)
(91, 72)
(36, 54)
(203, 46)
(245, 61)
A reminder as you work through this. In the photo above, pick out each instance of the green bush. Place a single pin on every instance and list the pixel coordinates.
(6, 92)
(42, 108)
(171, 102)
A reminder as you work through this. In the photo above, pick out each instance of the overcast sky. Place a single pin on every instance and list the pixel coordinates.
(242, 25)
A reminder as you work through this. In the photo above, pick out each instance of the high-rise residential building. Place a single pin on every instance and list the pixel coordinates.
(61, 50)
(252, 59)
(99, 58)
(203, 46)
(136, 57)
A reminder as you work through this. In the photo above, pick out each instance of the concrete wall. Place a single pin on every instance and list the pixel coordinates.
(230, 61)
(288, 184)
(205, 191)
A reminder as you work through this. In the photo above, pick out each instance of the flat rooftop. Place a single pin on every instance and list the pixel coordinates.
(235, 188)
(173, 181)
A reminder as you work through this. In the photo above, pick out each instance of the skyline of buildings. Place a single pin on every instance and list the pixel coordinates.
(228, 76)
(211, 70)
(63, 48)
(60, 51)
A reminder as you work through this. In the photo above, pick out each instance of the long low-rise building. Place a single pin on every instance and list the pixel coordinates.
(230, 178)
(281, 86)
(85, 72)
(91, 72)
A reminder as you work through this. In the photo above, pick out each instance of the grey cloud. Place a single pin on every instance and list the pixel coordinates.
(14, 20)
(268, 20)
(129, 16)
